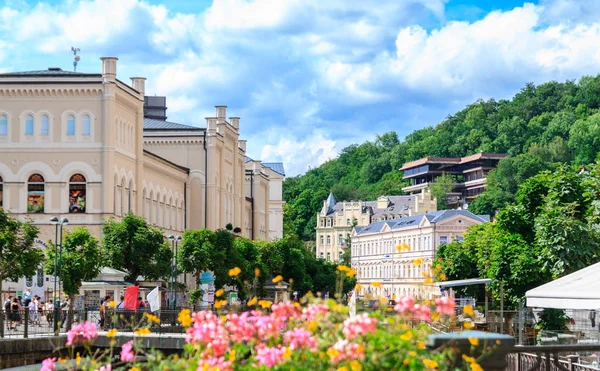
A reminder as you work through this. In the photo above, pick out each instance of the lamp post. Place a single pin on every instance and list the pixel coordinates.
(174, 242)
(57, 260)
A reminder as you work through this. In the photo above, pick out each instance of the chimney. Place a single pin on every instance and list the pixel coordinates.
(242, 145)
(235, 122)
(139, 84)
(211, 124)
(109, 68)
(221, 112)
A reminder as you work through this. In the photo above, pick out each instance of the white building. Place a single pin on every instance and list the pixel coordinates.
(376, 259)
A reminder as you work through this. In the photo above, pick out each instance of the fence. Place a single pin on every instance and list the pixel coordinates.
(35, 323)
(549, 358)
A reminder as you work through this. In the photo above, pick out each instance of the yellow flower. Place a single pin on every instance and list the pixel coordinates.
(234, 272)
(277, 279)
(376, 284)
(358, 287)
(468, 310)
(412, 353)
(430, 364)
(406, 336)
(185, 318)
(111, 333)
(421, 344)
(252, 301)
(351, 273)
(77, 359)
(418, 261)
(223, 319)
(428, 280)
(313, 326)
(287, 353)
(403, 247)
(265, 304)
(474, 341)
(442, 277)
(468, 325)
(142, 332)
(219, 293)
(290, 281)
(406, 362)
(355, 366)
(343, 368)
(475, 367)
(152, 318)
(468, 359)
(333, 353)
(343, 268)
(498, 342)
(135, 369)
(256, 272)
(232, 355)
(220, 303)
(112, 304)
(322, 355)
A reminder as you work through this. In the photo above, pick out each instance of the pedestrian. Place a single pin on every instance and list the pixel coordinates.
(26, 297)
(49, 312)
(140, 303)
(121, 303)
(103, 309)
(15, 316)
(7, 312)
(32, 311)
(592, 317)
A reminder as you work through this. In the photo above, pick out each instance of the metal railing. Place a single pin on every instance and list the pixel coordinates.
(26, 323)
(554, 358)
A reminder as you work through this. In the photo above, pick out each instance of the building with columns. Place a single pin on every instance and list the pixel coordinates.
(402, 273)
(89, 147)
(336, 219)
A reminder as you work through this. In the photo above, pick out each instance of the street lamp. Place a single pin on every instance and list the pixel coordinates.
(174, 279)
(57, 261)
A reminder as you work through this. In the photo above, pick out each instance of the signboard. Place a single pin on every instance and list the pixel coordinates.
(209, 293)
(233, 298)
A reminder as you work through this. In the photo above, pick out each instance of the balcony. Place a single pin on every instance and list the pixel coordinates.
(415, 188)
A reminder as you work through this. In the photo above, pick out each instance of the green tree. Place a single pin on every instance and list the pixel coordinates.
(195, 252)
(136, 247)
(18, 256)
(81, 260)
(442, 185)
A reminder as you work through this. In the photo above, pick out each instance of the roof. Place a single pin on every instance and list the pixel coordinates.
(50, 72)
(397, 205)
(275, 166)
(162, 125)
(146, 152)
(453, 160)
(483, 155)
(414, 220)
(578, 290)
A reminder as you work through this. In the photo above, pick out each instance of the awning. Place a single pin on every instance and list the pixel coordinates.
(577, 290)
(467, 282)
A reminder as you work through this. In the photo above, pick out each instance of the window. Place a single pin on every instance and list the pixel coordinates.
(347, 221)
(71, 125)
(321, 237)
(328, 256)
(3, 125)
(35, 194)
(459, 238)
(45, 125)
(29, 125)
(328, 239)
(321, 255)
(77, 188)
(86, 125)
(340, 239)
(443, 239)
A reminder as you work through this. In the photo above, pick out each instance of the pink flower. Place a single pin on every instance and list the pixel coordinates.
(422, 312)
(205, 329)
(405, 304)
(313, 310)
(285, 310)
(108, 367)
(82, 332)
(239, 327)
(445, 305)
(299, 338)
(127, 354)
(343, 350)
(48, 364)
(269, 357)
(214, 363)
(359, 325)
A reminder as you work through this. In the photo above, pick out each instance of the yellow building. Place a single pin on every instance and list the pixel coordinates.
(89, 147)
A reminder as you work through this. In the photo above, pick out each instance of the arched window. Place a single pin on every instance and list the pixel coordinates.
(3, 125)
(86, 125)
(1, 189)
(71, 125)
(35, 194)
(45, 125)
(77, 194)
(29, 125)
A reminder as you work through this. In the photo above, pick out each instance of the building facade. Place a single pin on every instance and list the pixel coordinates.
(89, 147)
(470, 172)
(336, 219)
(402, 273)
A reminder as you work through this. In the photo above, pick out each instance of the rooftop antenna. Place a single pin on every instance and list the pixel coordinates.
(76, 58)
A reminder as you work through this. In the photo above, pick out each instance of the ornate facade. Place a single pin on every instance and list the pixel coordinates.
(89, 147)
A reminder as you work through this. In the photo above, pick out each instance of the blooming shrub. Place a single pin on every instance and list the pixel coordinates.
(314, 335)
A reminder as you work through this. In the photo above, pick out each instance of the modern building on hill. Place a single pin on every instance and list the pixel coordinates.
(336, 219)
(402, 273)
(89, 147)
(470, 172)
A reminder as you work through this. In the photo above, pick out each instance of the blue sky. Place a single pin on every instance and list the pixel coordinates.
(309, 77)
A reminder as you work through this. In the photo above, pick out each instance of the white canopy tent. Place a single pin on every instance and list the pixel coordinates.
(579, 290)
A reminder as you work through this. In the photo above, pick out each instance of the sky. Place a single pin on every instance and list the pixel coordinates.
(310, 77)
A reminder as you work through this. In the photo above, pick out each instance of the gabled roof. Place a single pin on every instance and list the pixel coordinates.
(275, 166)
(161, 125)
(51, 72)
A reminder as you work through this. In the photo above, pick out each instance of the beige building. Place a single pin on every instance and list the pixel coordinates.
(336, 219)
(89, 147)
(376, 259)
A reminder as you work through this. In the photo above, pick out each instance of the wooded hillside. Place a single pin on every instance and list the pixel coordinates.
(540, 127)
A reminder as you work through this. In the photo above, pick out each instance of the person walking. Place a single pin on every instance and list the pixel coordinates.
(49, 312)
(7, 317)
(15, 315)
(592, 317)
